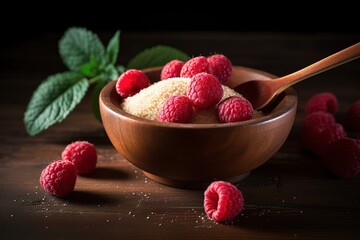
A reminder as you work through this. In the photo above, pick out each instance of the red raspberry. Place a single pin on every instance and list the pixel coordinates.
(131, 82)
(234, 109)
(353, 116)
(223, 201)
(330, 134)
(342, 157)
(205, 90)
(58, 178)
(176, 109)
(220, 67)
(325, 102)
(313, 125)
(82, 154)
(171, 69)
(194, 66)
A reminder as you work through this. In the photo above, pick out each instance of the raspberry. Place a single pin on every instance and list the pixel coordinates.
(325, 102)
(353, 116)
(131, 82)
(176, 109)
(58, 178)
(330, 134)
(194, 66)
(222, 201)
(314, 123)
(205, 90)
(234, 109)
(220, 67)
(342, 157)
(171, 69)
(82, 154)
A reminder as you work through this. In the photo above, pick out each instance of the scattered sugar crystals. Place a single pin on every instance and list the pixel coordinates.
(135, 198)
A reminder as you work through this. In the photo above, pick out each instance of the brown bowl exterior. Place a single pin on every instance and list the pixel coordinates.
(193, 155)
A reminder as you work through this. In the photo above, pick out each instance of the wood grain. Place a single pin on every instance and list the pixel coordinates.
(193, 155)
(291, 196)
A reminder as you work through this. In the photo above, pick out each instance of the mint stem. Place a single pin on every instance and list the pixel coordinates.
(95, 79)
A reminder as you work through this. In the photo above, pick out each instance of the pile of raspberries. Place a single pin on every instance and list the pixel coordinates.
(320, 133)
(59, 177)
(325, 137)
(207, 75)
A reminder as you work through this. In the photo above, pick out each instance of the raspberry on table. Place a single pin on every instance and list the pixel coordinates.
(171, 69)
(330, 134)
(131, 82)
(222, 201)
(234, 109)
(58, 178)
(324, 101)
(353, 116)
(220, 67)
(82, 154)
(313, 124)
(176, 109)
(205, 90)
(342, 157)
(194, 66)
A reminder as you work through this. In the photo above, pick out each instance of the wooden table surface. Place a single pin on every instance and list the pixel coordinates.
(291, 196)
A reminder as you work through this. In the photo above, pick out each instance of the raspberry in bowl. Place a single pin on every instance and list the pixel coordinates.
(194, 154)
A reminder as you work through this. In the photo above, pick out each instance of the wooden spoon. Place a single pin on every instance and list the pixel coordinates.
(261, 92)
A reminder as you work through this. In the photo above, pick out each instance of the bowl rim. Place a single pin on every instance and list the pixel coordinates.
(109, 89)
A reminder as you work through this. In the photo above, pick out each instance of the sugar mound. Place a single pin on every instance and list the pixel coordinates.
(148, 101)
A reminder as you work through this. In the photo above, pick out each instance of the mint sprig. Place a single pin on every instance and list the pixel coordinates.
(53, 100)
(89, 63)
(79, 46)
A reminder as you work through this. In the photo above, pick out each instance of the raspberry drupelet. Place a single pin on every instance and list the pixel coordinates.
(82, 154)
(176, 109)
(223, 201)
(171, 69)
(324, 101)
(58, 178)
(131, 82)
(220, 67)
(194, 66)
(234, 109)
(205, 90)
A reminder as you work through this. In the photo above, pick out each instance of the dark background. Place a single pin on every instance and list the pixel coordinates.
(21, 21)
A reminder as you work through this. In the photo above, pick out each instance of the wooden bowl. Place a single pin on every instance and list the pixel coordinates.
(194, 155)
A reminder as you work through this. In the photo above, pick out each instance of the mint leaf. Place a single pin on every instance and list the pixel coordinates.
(53, 100)
(156, 56)
(120, 69)
(110, 73)
(90, 69)
(95, 98)
(78, 46)
(112, 50)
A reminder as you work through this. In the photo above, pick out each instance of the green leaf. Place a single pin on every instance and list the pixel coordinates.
(112, 50)
(110, 73)
(90, 69)
(156, 56)
(78, 46)
(95, 98)
(53, 100)
(120, 69)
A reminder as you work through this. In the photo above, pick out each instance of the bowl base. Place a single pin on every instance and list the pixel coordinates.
(191, 184)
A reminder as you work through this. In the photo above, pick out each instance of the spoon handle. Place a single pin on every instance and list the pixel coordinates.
(334, 60)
